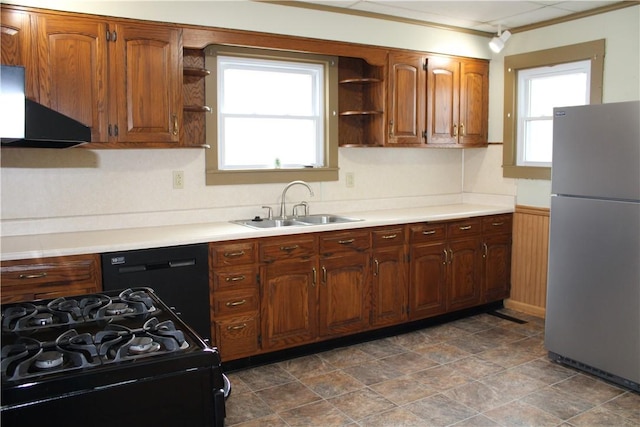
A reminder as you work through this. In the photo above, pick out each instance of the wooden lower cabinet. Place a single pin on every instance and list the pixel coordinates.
(388, 286)
(275, 293)
(344, 286)
(288, 303)
(496, 271)
(427, 280)
(234, 298)
(51, 277)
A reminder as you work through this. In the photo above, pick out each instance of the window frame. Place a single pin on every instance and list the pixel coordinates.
(592, 51)
(216, 176)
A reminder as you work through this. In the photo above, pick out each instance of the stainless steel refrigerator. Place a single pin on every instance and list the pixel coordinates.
(593, 291)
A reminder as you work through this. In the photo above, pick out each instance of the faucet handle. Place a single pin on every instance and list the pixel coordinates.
(269, 211)
(302, 204)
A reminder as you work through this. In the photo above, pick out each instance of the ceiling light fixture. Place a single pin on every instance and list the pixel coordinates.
(497, 43)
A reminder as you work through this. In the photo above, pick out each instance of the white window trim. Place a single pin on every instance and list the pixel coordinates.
(524, 77)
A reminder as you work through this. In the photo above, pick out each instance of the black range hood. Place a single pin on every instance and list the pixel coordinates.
(25, 123)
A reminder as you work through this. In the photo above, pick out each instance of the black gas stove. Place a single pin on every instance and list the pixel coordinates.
(116, 357)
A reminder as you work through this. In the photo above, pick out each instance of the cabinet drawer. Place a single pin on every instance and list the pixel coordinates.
(387, 237)
(344, 241)
(426, 232)
(497, 224)
(237, 337)
(468, 227)
(233, 254)
(43, 278)
(288, 248)
(235, 278)
(236, 302)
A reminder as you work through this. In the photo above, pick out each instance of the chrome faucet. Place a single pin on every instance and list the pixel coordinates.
(283, 211)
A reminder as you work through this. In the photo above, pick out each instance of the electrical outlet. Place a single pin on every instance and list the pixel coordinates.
(350, 179)
(178, 180)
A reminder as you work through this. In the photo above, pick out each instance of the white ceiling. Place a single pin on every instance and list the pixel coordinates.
(480, 15)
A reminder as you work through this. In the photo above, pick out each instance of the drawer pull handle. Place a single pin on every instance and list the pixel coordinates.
(235, 278)
(346, 242)
(465, 227)
(497, 224)
(236, 303)
(390, 236)
(32, 276)
(429, 232)
(289, 248)
(233, 254)
(377, 269)
(237, 327)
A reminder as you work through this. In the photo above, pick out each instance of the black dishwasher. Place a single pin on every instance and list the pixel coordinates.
(179, 275)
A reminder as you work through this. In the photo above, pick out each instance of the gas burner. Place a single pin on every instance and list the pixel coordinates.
(139, 297)
(142, 345)
(41, 319)
(49, 360)
(118, 309)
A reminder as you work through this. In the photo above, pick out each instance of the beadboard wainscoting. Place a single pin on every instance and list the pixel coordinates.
(529, 260)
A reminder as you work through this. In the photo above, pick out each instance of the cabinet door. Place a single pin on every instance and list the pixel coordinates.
(147, 67)
(443, 84)
(427, 280)
(496, 280)
(72, 63)
(344, 294)
(407, 97)
(474, 103)
(17, 47)
(288, 303)
(465, 263)
(388, 286)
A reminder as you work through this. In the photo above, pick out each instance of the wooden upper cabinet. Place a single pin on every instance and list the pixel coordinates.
(17, 47)
(406, 99)
(458, 101)
(474, 102)
(124, 80)
(147, 78)
(72, 65)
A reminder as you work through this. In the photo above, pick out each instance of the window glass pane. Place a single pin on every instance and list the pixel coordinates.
(540, 90)
(556, 91)
(254, 91)
(538, 141)
(270, 114)
(256, 143)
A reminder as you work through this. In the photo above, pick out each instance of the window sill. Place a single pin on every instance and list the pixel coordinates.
(526, 172)
(216, 177)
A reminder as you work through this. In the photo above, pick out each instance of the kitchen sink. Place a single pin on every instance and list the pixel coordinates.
(324, 219)
(299, 221)
(268, 223)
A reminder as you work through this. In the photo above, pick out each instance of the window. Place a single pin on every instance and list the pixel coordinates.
(272, 118)
(530, 94)
(539, 91)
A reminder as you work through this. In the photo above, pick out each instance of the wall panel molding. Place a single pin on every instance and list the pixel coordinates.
(529, 260)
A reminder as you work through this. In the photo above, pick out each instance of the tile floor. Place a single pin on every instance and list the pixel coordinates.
(478, 371)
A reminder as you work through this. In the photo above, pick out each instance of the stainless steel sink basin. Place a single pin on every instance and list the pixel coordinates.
(324, 219)
(268, 223)
(299, 221)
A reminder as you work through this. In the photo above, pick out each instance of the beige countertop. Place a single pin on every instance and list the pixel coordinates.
(86, 242)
